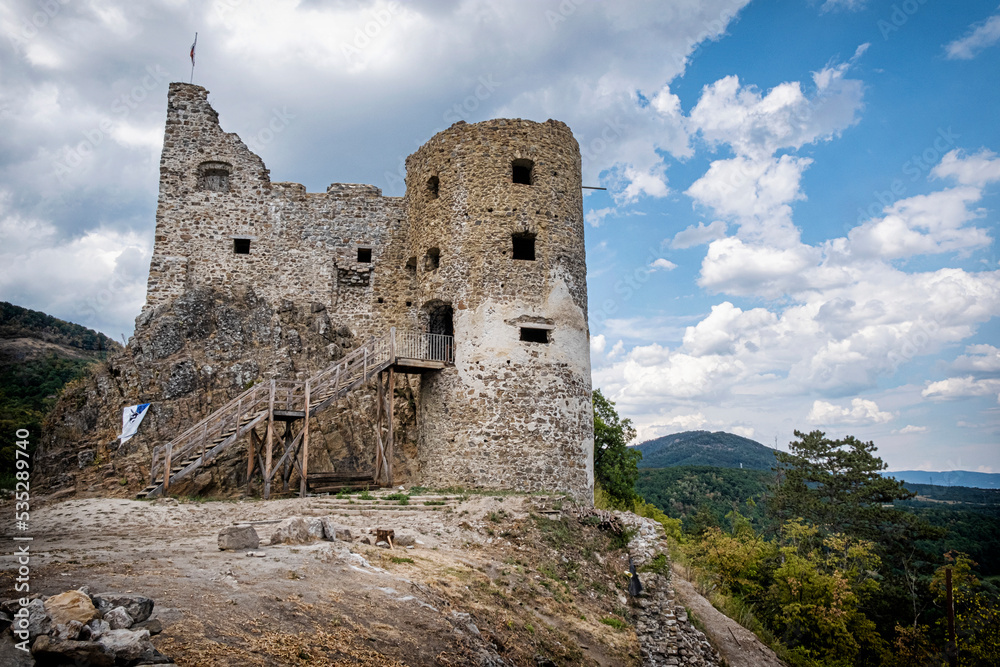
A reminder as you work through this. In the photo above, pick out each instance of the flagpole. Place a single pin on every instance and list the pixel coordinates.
(192, 56)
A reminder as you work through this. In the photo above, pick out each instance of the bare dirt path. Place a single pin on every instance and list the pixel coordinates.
(737, 645)
(482, 580)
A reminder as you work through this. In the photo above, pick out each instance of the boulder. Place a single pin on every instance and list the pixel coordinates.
(94, 629)
(69, 631)
(138, 607)
(118, 618)
(51, 651)
(238, 538)
(334, 531)
(298, 530)
(70, 606)
(404, 540)
(38, 619)
(125, 645)
(153, 626)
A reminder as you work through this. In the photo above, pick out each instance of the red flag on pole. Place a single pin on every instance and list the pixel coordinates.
(194, 44)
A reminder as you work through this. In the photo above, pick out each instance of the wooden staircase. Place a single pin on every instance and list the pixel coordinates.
(291, 401)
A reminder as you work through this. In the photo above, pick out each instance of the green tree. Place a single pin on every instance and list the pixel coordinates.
(616, 465)
(837, 485)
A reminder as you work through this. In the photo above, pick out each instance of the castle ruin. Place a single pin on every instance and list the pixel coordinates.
(487, 246)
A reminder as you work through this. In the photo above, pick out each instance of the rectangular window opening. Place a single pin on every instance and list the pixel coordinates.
(241, 246)
(533, 335)
(365, 255)
(524, 246)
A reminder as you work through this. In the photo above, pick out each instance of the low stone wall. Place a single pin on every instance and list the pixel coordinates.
(666, 635)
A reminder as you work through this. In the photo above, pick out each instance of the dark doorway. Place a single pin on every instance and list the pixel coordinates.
(440, 318)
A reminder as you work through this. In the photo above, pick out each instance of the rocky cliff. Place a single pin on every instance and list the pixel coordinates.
(187, 358)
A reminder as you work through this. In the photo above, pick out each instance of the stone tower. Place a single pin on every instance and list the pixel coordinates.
(496, 244)
(487, 245)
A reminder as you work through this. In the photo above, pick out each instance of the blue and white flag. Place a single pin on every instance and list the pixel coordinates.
(131, 418)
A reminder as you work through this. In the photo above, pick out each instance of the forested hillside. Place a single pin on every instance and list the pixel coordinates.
(703, 448)
(39, 354)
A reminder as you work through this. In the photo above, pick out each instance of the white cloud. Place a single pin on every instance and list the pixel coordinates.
(698, 235)
(976, 170)
(757, 125)
(745, 431)
(910, 428)
(923, 224)
(757, 193)
(686, 422)
(980, 36)
(597, 344)
(979, 359)
(960, 387)
(861, 413)
(845, 5)
(661, 264)
(734, 267)
(595, 217)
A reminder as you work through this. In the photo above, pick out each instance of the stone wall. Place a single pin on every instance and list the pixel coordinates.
(486, 244)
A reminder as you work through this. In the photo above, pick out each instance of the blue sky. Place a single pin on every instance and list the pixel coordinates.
(800, 221)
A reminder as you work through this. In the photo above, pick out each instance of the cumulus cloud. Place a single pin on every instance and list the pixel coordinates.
(597, 344)
(979, 359)
(757, 125)
(976, 170)
(980, 36)
(960, 387)
(698, 235)
(684, 422)
(661, 264)
(861, 413)
(910, 428)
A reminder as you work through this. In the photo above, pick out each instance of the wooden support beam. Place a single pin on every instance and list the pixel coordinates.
(166, 469)
(269, 443)
(389, 420)
(253, 448)
(286, 443)
(305, 445)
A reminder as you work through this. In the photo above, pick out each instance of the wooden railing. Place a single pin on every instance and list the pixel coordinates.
(263, 399)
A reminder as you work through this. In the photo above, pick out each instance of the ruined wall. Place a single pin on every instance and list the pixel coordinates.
(486, 244)
(215, 195)
(512, 413)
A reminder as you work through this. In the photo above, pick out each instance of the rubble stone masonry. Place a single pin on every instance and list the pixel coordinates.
(487, 245)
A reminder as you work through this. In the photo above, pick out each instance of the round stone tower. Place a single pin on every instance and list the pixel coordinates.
(496, 257)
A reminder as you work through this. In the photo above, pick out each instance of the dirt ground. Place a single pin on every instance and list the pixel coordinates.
(508, 575)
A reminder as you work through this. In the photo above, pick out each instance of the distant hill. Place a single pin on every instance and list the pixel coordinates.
(703, 448)
(39, 354)
(977, 480)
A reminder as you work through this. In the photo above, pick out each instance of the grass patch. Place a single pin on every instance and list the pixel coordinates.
(434, 502)
(616, 623)
(400, 559)
(659, 565)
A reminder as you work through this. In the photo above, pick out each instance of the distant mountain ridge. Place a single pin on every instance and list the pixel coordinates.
(976, 480)
(704, 448)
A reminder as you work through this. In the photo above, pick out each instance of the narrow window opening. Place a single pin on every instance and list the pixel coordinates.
(432, 187)
(381, 300)
(532, 335)
(241, 246)
(409, 303)
(365, 255)
(214, 176)
(521, 171)
(524, 246)
(432, 260)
